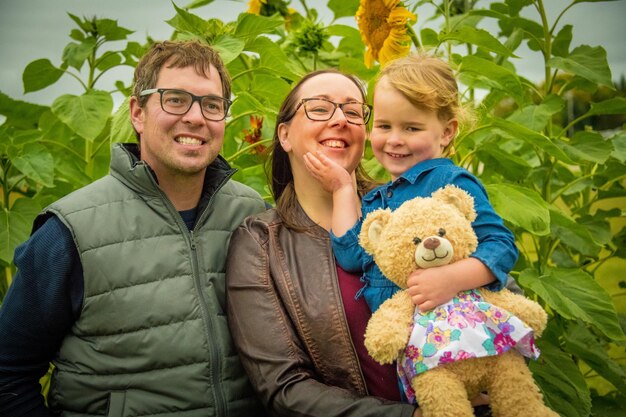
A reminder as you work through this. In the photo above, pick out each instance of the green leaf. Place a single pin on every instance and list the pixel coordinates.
(564, 388)
(343, 31)
(20, 114)
(588, 147)
(530, 27)
(586, 62)
(521, 206)
(582, 343)
(197, 3)
(562, 41)
(493, 75)
(110, 30)
(343, 8)
(478, 37)
(36, 162)
(121, 128)
(40, 74)
(15, 226)
(536, 139)
(271, 57)
(509, 165)
(270, 90)
(86, 115)
(572, 234)
(619, 147)
(228, 47)
(108, 60)
(536, 117)
(75, 54)
(250, 25)
(189, 23)
(429, 37)
(576, 296)
(615, 105)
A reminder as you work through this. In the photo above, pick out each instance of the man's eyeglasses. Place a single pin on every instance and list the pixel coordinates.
(321, 109)
(179, 102)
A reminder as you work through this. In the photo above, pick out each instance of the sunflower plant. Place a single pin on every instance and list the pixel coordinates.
(552, 155)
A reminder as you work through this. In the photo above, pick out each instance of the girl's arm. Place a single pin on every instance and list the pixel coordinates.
(434, 286)
(336, 180)
(489, 265)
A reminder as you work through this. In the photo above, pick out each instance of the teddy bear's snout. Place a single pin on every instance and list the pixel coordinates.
(432, 243)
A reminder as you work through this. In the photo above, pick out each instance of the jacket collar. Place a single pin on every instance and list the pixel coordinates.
(127, 166)
(411, 176)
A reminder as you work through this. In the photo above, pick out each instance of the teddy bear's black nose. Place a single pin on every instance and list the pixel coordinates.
(432, 243)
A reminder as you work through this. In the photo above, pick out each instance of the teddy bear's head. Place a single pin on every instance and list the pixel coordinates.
(421, 233)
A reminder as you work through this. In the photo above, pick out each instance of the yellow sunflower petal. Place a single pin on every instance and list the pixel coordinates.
(254, 6)
(382, 24)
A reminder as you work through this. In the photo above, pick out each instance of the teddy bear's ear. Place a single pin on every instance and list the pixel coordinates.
(372, 229)
(459, 198)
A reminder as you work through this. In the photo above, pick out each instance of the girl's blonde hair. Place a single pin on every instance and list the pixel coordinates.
(428, 82)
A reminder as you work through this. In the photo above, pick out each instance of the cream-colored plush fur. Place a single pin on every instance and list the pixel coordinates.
(445, 390)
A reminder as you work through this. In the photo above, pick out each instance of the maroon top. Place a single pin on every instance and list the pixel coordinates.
(381, 380)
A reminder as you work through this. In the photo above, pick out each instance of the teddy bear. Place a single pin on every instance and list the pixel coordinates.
(475, 343)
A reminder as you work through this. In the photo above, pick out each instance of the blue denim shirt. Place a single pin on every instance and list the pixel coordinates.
(496, 243)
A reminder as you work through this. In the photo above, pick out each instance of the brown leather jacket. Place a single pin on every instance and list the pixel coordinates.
(287, 320)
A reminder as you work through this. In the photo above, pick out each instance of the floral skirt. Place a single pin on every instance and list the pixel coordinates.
(465, 327)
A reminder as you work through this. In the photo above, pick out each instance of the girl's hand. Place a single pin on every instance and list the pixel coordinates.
(434, 286)
(431, 287)
(330, 174)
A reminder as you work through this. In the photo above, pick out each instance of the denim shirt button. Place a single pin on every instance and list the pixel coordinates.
(389, 193)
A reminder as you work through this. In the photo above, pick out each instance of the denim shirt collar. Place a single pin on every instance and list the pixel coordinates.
(411, 176)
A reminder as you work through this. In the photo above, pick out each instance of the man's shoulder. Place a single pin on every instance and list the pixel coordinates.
(96, 192)
(237, 188)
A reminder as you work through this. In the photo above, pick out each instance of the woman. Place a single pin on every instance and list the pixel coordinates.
(291, 309)
(303, 351)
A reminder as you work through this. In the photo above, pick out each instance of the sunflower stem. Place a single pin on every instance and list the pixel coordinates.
(414, 37)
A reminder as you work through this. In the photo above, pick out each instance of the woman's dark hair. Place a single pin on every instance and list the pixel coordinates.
(278, 164)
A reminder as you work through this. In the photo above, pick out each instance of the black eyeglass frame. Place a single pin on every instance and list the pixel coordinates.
(194, 98)
(336, 105)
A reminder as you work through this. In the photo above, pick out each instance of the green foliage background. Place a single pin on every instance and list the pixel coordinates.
(553, 175)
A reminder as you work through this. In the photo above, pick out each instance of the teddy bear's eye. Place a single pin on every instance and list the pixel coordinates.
(417, 240)
(441, 232)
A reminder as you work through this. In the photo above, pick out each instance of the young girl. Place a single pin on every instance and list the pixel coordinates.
(416, 117)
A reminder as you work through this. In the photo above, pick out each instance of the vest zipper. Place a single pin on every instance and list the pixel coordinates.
(214, 356)
(214, 368)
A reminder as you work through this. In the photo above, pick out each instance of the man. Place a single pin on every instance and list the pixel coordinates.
(121, 285)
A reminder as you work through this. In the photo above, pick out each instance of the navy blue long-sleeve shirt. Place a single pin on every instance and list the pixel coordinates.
(39, 309)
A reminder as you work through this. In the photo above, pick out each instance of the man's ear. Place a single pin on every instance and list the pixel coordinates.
(449, 132)
(137, 114)
(283, 137)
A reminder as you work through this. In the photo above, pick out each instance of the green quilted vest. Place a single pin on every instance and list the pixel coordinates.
(152, 337)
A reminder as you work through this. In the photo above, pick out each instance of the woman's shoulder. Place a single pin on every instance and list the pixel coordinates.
(263, 219)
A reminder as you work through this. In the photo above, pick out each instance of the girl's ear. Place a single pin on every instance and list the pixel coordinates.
(283, 137)
(449, 132)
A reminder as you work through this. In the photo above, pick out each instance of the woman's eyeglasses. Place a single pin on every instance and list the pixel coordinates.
(321, 109)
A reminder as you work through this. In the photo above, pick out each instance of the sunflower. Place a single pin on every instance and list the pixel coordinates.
(383, 27)
(254, 6)
(269, 7)
(255, 134)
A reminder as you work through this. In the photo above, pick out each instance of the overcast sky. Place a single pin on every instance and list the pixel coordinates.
(34, 29)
